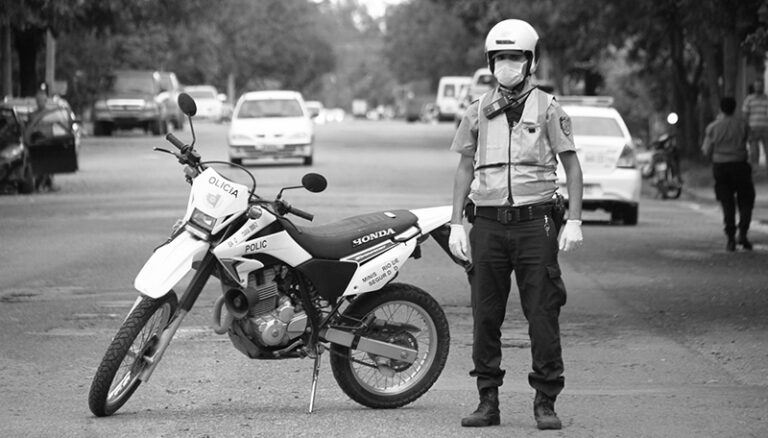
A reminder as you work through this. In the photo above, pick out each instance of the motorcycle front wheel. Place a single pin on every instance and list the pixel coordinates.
(118, 374)
(383, 383)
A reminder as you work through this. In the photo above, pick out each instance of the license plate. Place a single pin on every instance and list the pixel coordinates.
(661, 167)
(270, 147)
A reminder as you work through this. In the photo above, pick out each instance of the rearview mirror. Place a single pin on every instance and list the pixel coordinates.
(187, 104)
(314, 182)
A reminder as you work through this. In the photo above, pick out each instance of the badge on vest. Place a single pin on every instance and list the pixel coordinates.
(565, 125)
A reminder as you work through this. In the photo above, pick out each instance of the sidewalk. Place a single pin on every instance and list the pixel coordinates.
(698, 185)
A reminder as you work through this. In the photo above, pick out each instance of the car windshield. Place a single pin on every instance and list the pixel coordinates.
(251, 109)
(596, 126)
(133, 83)
(202, 94)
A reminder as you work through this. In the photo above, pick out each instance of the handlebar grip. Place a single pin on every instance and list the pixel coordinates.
(301, 213)
(174, 141)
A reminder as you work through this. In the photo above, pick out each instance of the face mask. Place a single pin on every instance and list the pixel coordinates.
(509, 73)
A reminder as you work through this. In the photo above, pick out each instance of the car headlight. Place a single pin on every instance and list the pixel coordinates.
(12, 153)
(100, 105)
(298, 135)
(238, 138)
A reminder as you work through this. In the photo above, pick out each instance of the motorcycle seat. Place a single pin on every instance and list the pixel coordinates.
(348, 236)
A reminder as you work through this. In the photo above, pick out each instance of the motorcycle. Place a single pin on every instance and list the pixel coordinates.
(665, 163)
(288, 291)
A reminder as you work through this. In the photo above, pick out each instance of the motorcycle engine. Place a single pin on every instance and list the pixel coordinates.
(272, 319)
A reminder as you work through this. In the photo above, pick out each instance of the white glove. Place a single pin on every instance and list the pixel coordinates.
(457, 242)
(570, 235)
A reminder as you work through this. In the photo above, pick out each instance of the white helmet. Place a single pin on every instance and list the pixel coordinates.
(513, 35)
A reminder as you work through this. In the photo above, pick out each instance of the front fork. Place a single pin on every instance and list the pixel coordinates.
(188, 299)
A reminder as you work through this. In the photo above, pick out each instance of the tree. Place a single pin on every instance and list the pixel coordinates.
(424, 41)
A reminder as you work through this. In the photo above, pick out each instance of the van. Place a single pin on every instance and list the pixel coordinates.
(448, 90)
(481, 82)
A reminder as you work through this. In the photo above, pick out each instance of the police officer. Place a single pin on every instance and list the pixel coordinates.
(510, 140)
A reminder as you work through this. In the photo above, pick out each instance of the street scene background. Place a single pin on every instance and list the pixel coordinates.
(663, 333)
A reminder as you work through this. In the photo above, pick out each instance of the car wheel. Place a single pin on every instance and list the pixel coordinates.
(629, 215)
(27, 183)
(102, 129)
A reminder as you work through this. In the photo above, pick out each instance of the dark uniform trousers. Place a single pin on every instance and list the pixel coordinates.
(735, 180)
(529, 249)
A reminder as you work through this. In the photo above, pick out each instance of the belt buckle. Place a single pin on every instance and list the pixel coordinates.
(508, 215)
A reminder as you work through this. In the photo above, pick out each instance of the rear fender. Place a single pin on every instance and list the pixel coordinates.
(433, 217)
(169, 264)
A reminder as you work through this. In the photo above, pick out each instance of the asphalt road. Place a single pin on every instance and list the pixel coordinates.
(664, 333)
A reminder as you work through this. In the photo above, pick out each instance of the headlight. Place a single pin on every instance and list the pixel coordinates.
(100, 105)
(298, 135)
(12, 153)
(237, 138)
(202, 220)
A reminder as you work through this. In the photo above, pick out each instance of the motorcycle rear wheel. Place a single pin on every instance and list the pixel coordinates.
(117, 376)
(670, 187)
(356, 372)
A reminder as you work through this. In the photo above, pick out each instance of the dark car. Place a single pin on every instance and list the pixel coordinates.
(15, 162)
(133, 99)
(51, 137)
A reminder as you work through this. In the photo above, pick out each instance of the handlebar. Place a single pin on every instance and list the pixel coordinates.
(175, 141)
(300, 213)
(284, 208)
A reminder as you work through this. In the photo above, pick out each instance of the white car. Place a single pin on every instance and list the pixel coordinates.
(612, 180)
(209, 101)
(271, 125)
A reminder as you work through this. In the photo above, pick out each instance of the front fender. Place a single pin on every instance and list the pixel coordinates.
(169, 264)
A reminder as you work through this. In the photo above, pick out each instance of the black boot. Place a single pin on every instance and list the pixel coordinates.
(730, 245)
(544, 412)
(487, 412)
(743, 241)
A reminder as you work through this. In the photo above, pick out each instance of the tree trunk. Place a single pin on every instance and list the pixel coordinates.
(731, 59)
(28, 45)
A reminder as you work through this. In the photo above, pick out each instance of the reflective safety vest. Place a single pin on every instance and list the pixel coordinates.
(514, 166)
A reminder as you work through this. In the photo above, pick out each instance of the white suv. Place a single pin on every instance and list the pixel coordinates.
(612, 180)
(273, 125)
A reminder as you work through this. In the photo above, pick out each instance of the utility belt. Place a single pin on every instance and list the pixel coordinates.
(512, 215)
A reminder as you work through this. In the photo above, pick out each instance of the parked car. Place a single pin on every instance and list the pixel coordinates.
(271, 125)
(482, 81)
(51, 137)
(169, 96)
(15, 161)
(210, 103)
(133, 99)
(606, 150)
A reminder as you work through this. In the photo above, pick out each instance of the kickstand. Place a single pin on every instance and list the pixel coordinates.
(315, 375)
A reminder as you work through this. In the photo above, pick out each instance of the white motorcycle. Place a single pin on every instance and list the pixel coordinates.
(288, 291)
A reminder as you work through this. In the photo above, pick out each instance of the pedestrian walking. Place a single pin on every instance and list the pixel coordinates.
(755, 109)
(725, 144)
(509, 142)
